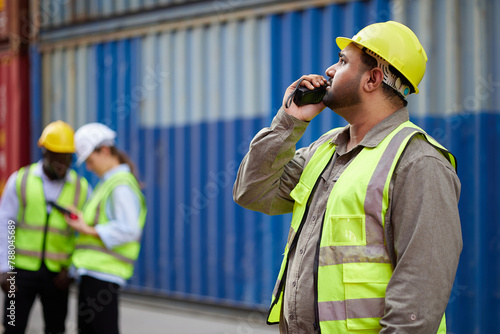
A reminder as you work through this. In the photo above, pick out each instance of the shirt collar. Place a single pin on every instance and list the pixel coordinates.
(114, 170)
(377, 133)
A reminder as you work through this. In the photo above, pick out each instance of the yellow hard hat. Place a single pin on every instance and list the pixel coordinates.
(58, 137)
(396, 44)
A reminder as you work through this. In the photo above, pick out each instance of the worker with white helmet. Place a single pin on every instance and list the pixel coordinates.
(110, 227)
(375, 236)
(35, 241)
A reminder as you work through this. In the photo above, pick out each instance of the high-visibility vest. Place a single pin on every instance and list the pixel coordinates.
(352, 266)
(90, 252)
(39, 235)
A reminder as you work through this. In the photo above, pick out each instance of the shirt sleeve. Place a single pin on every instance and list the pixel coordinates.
(9, 206)
(272, 167)
(123, 209)
(427, 241)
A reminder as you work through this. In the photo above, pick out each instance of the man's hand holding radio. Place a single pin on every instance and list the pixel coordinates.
(309, 111)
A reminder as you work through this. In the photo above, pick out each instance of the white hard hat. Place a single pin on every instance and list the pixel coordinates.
(92, 136)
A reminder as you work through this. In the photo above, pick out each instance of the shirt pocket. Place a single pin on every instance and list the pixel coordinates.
(345, 230)
(365, 285)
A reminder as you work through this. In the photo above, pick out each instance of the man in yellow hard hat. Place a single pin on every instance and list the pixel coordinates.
(375, 236)
(35, 241)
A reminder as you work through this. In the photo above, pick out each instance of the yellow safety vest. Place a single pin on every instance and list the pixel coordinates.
(39, 235)
(352, 265)
(91, 253)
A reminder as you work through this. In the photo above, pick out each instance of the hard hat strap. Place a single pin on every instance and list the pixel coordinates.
(390, 78)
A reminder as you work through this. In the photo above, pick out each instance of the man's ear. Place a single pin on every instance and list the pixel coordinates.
(374, 80)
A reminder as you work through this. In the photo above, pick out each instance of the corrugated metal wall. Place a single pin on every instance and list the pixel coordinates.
(14, 113)
(14, 89)
(185, 104)
(13, 15)
(54, 13)
(460, 106)
(187, 101)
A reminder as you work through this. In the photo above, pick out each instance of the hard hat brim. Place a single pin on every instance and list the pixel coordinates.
(81, 159)
(342, 42)
(57, 149)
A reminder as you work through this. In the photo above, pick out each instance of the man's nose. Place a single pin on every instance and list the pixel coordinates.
(330, 71)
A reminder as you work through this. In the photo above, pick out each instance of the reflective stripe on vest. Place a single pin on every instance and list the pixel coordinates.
(48, 255)
(33, 226)
(91, 253)
(65, 232)
(352, 249)
(107, 251)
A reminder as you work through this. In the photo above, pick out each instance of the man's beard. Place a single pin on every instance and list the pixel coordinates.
(344, 96)
(55, 170)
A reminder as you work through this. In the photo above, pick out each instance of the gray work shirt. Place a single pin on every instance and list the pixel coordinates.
(422, 230)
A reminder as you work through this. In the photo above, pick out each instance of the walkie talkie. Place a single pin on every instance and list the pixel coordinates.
(303, 95)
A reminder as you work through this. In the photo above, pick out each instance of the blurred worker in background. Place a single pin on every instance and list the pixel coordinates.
(375, 237)
(110, 228)
(35, 241)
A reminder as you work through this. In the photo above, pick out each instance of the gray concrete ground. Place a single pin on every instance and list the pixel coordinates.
(146, 315)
